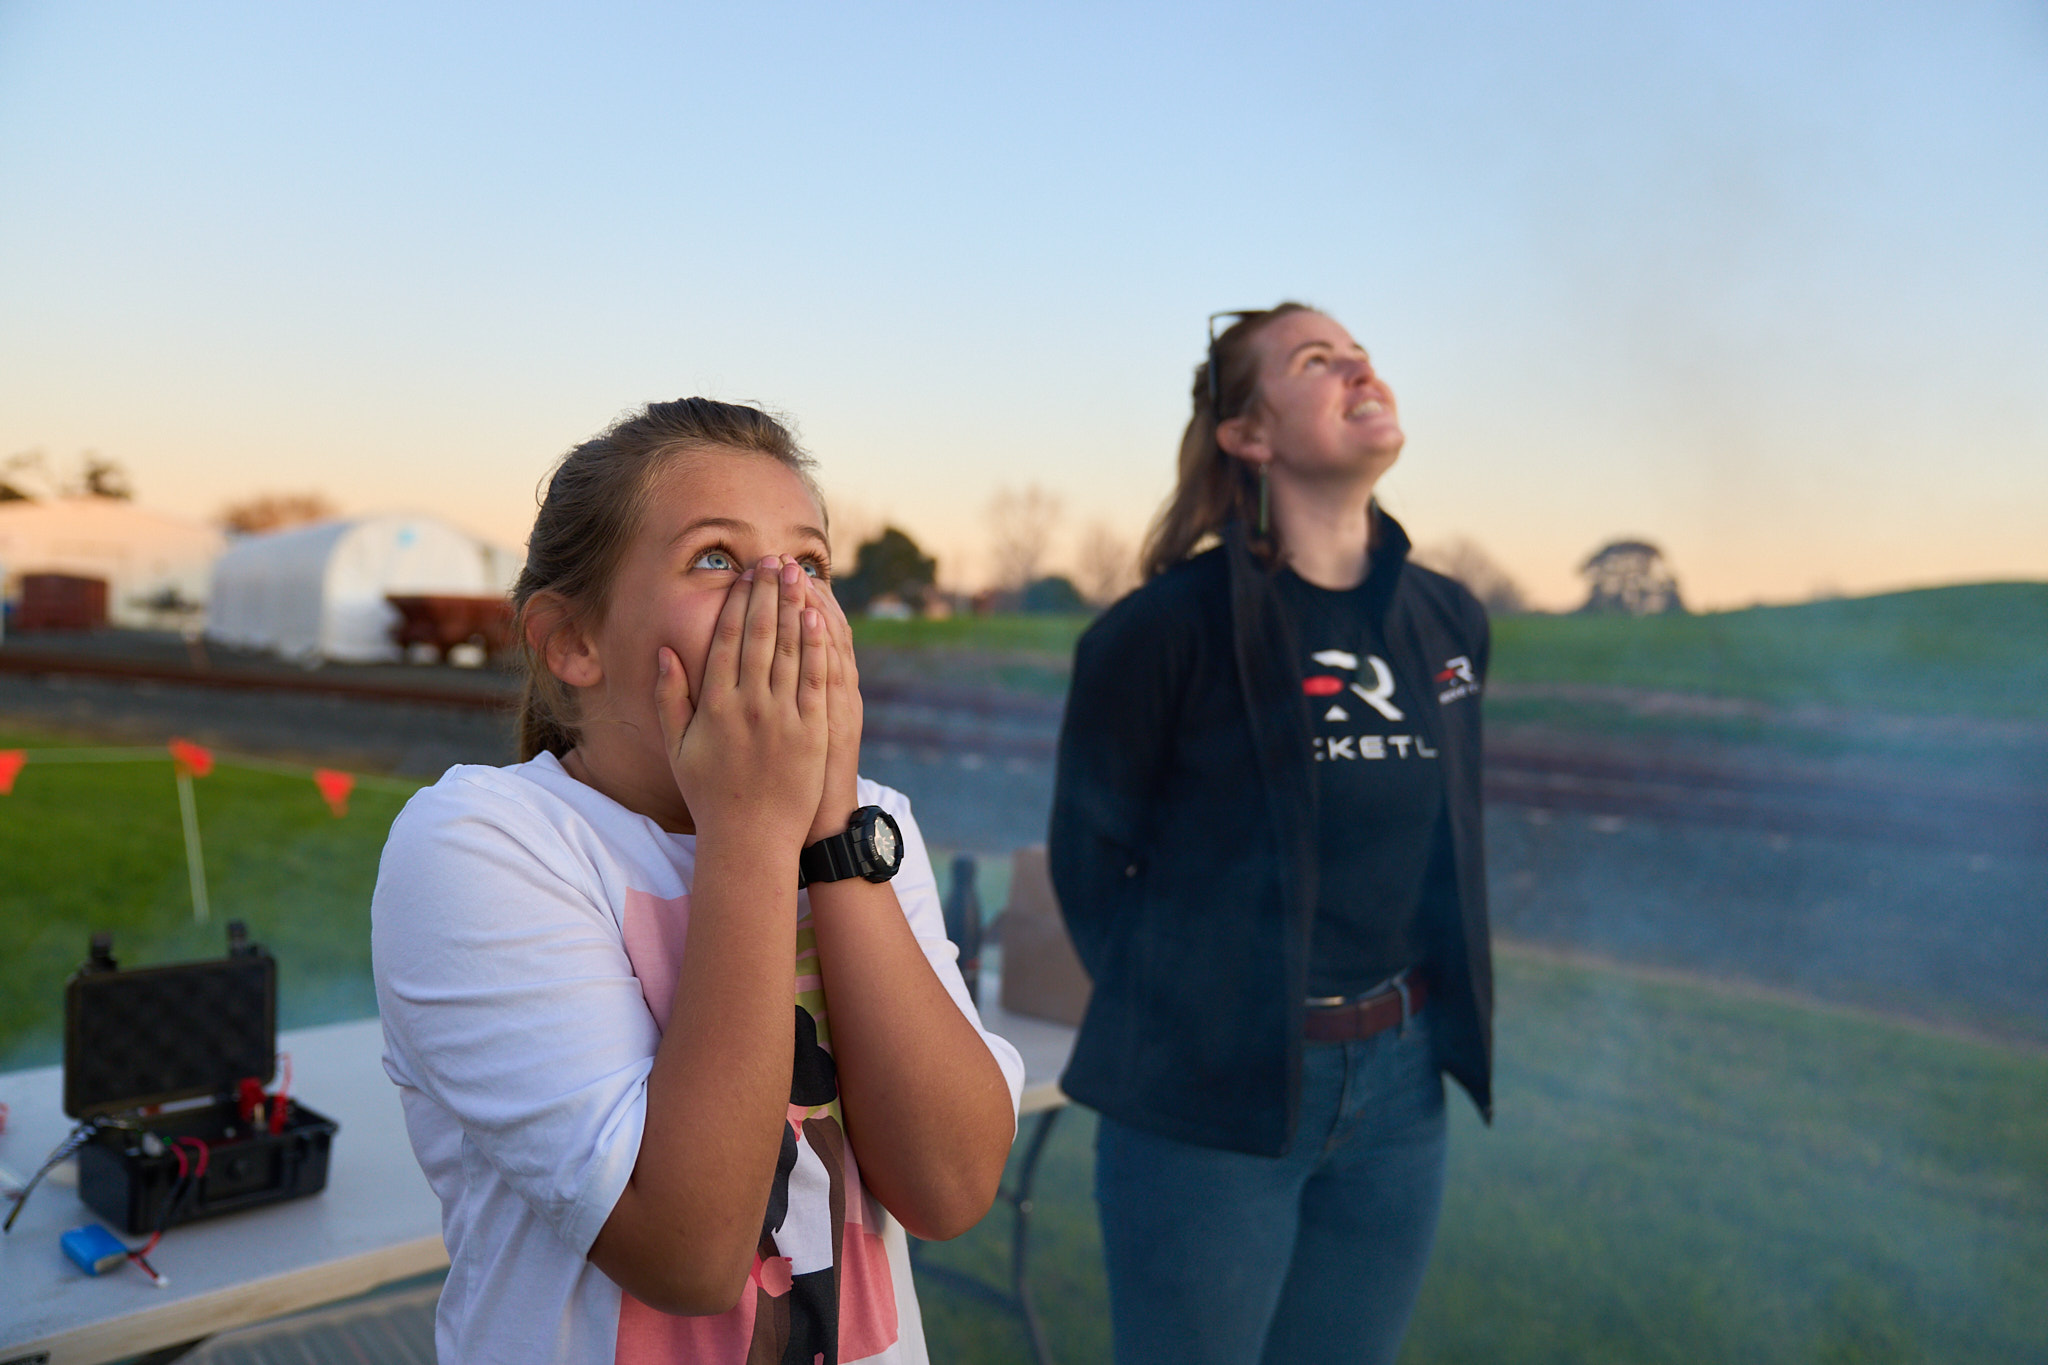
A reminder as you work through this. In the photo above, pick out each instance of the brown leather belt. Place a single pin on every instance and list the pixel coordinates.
(1356, 1019)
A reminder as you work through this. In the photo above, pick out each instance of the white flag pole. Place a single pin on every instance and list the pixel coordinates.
(195, 861)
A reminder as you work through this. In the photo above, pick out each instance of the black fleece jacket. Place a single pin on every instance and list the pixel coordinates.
(1183, 845)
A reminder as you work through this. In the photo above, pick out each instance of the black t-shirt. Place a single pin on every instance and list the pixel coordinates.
(1379, 780)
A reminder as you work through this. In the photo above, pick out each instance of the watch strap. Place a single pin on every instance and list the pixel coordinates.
(831, 859)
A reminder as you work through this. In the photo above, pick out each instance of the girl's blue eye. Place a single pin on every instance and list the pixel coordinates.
(811, 568)
(714, 559)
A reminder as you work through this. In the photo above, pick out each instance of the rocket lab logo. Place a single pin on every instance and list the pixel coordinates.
(1380, 696)
(1457, 680)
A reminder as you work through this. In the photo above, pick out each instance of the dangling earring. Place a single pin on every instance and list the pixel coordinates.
(1265, 504)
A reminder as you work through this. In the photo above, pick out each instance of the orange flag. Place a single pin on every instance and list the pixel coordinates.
(335, 787)
(192, 759)
(10, 765)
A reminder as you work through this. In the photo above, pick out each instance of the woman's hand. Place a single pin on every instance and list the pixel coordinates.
(749, 751)
(845, 713)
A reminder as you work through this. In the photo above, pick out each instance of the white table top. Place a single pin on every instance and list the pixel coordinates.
(377, 1220)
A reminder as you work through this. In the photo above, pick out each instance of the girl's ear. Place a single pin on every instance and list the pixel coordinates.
(556, 634)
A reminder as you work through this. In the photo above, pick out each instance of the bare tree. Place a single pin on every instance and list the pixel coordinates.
(1106, 564)
(1462, 559)
(276, 512)
(1021, 527)
(25, 477)
(100, 477)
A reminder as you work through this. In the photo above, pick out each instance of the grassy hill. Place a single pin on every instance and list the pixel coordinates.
(1979, 650)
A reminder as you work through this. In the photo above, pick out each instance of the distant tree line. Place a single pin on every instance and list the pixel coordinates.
(266, 512)
(892, 572)
(27, 477)
(1623, 577)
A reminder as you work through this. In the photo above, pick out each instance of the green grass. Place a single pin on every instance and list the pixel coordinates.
(1027, 655)
(1681, 1174)
(1676, 1173)
(1008, 633)
(1973, 651)
(1965, 651)
(98, 846)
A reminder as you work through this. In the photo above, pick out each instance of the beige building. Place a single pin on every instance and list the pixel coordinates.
(155, 566)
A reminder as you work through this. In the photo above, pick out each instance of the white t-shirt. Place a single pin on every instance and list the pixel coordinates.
(526, 934)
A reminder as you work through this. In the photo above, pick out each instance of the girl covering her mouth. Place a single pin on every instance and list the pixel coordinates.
(605, 998)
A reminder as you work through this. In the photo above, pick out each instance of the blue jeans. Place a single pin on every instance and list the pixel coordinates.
(1313, 1256)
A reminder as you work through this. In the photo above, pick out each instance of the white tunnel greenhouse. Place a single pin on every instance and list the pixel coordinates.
(318, 592)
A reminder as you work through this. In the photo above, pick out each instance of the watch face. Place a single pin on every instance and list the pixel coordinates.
(879, 842)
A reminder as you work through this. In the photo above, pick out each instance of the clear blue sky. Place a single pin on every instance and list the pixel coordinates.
(1764, 282)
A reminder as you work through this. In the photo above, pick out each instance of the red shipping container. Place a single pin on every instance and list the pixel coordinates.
(60, 601)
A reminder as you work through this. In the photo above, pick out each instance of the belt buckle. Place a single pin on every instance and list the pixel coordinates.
(1407, 1004)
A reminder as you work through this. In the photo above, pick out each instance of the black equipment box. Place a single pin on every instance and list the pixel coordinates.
(167, 1036)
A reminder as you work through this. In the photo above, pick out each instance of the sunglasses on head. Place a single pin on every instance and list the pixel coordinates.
(1215, 382)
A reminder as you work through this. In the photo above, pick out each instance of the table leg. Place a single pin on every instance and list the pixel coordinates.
(1020, 1237)
(1018, 1300)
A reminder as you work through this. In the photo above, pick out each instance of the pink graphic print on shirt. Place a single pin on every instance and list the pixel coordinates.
(820, 1288)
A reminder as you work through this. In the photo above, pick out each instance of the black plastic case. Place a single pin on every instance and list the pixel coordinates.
(166, 1035)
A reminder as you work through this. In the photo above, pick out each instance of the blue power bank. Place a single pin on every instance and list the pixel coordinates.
(93, 1249)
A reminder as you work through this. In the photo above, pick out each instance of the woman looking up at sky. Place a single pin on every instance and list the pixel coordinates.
(1266, 842)
(605, 998)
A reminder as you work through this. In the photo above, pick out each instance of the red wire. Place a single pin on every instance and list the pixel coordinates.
(195, 1167)
(277, 1101)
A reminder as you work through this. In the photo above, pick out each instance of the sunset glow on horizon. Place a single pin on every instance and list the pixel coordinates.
(1767, 288)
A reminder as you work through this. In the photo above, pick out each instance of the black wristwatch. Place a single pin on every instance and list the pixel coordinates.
(872, 847)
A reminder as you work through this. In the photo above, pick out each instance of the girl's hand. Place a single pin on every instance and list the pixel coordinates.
(749, 752)
(844, 713)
